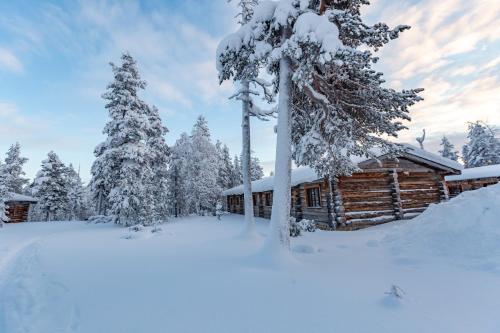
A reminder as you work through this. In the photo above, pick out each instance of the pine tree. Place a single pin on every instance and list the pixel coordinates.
(76, 209)
(13, 169)
(448, 150)
(482, 148)
(225, 175)
(4, 192)
(237, 174)
(122, 160)
(202, 170)
(158, 153)
(51, 189)
(248, 109)
(177, 175)
(256, 169)
(328, 93)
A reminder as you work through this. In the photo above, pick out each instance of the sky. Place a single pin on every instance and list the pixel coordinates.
(54, 67)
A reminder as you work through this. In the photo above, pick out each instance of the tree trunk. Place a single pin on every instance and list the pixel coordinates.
(280, 215)
(246, 160)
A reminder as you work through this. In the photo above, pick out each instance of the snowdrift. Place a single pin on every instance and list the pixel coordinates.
(464, 230)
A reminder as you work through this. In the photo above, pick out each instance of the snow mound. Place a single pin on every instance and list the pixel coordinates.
(464, 231)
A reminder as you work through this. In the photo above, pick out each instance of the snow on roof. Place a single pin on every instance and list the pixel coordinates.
(432, 157)
(16, 197)
(476, 173)
(306, 174)
(299, 176)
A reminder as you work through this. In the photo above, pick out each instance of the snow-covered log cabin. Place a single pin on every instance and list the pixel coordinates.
(381, 191)
(473, 178)
(18, 206)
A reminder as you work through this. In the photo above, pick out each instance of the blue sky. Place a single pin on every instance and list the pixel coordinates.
(54, 59)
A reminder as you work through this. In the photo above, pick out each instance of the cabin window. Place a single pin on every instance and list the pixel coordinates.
(313, 197)
(268, 198)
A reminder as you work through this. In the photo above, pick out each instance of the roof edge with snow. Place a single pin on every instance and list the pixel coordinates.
(16, 197)
(487, 171)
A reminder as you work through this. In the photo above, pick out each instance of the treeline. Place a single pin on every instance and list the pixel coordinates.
(136, 177)
(481, 149)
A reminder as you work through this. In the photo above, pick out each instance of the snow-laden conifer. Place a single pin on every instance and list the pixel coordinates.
(122, 159)
(202, 170)
(76, 209)
(51, 190)
(13, 169)
(482, 148)
(3, 196)
(157, 180)
(225, 179)
(178, 176)
(328, 92)
(448, 149)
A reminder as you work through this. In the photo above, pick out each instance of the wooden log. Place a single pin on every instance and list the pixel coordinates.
(396, 195)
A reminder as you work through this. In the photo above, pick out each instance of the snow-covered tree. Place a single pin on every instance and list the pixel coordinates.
(319, 52)
(448, 149)
(76, 209)
(248, 83)
(51, 189)
(225, 175)
(202, 170)
(256, 171)
(13, 169)
(122, 159)
(237, 173)
(3, 196)
(157, 180)
(177, 175)
(482, 148)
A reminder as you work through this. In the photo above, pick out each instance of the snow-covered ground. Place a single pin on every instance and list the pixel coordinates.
(197, 275)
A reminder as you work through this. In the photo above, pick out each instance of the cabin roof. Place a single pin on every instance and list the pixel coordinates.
(476, 173)
(16, 197)
(306, 174)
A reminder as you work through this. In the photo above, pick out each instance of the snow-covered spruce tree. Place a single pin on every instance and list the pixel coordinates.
(202, 170)
(13, 169)
(157, 180)
(225, 174)
(4, 192)
(76, 209)
(448, 149)
(256, 171)
(328, 92)
(51, 189)
(122, 159)
(177, 175)
(482, 148)
(237, 174)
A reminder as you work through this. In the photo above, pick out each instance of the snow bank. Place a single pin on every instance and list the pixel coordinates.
(477, 173)
(464, 230)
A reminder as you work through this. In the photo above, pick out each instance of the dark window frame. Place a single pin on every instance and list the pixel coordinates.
(313, 197)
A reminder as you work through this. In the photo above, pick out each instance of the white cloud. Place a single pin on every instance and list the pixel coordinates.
(9, 61)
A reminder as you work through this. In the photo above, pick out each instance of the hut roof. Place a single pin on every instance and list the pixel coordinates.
(16, 197)
(306, 174)
(476, 173)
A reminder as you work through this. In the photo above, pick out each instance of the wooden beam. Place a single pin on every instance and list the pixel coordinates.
(396, 195)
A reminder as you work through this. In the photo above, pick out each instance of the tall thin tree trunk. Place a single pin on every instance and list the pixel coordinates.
(246, 160)
(280, 217)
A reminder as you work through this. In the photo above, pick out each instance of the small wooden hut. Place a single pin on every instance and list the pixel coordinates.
(385, 189)
(473, 178)
(18, 207)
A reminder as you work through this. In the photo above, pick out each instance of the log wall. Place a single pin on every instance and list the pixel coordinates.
(459, 186)
(18, 211)
(382, 192)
